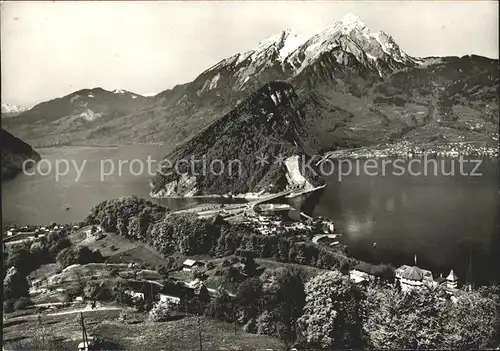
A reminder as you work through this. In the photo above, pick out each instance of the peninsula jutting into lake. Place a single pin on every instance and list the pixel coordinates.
(334, 186)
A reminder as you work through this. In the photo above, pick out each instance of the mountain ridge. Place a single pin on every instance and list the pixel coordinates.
(354, 70)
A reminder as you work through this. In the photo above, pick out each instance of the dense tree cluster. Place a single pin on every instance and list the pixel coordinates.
(426, 319)
(28, 256)
(269, 304)
(15, 290)
(138, 219)
(327, 311)
(127, 215)
(25, 257)
(78, 255)
(341, 314)
(332, 313)
(15, 284)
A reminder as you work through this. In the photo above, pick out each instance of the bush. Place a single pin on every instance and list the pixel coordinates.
(80, 255)
(199, 273)
(8, 306)
(98, 291)
(66, 257)
(250, 326)
(15, 284)
(161, 311)
(22, 303)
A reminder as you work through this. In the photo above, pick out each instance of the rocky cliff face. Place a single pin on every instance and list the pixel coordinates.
(254, 148)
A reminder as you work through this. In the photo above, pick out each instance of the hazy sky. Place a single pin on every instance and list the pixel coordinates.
(50, 49)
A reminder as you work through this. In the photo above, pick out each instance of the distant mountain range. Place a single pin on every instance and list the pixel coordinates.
(363, 88)
(14, 152)
(64, 120)
(11, 110)
(353, 88)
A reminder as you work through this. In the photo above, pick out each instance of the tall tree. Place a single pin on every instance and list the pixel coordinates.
(283, 299)
(332, 315)
(473, 322)
(405, 321)
(15, 284)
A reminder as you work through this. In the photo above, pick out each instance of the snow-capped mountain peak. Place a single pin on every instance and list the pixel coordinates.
(281, 44)
(351, 35)
(286, 54)
(350, 22)
(119, 91)
(289, 42)
(9, 108)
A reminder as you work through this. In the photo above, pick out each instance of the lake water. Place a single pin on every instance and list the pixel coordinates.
(41, 198)
(443, 220)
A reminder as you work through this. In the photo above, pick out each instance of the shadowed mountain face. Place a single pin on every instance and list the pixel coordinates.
(227, 153)
(14, 153)
(355, 87)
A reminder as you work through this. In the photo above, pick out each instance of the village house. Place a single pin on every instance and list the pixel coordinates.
(362, 272)
(135, 294)
(411, 277)
(189, 264)
(86, 345)
(169, 298)
(366, 272)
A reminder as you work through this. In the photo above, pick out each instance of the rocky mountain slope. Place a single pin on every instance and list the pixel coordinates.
(356, 88)
(254, 148)
(14, 152)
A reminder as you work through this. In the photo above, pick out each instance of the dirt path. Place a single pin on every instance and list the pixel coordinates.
(87, 309)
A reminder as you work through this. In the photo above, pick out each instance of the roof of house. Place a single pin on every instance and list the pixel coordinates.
(366, 267)
(189, 262)
(411, 273)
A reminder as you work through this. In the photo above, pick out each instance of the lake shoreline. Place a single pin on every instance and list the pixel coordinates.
(246, 196)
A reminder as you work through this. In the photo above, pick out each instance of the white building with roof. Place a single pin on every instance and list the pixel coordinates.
(452, 280)
(169, 298)
(411, 277)
(189, 264)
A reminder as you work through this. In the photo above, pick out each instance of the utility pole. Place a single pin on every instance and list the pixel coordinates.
(199, 332)
(234, 321)
(84, 333)
(40, 325)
